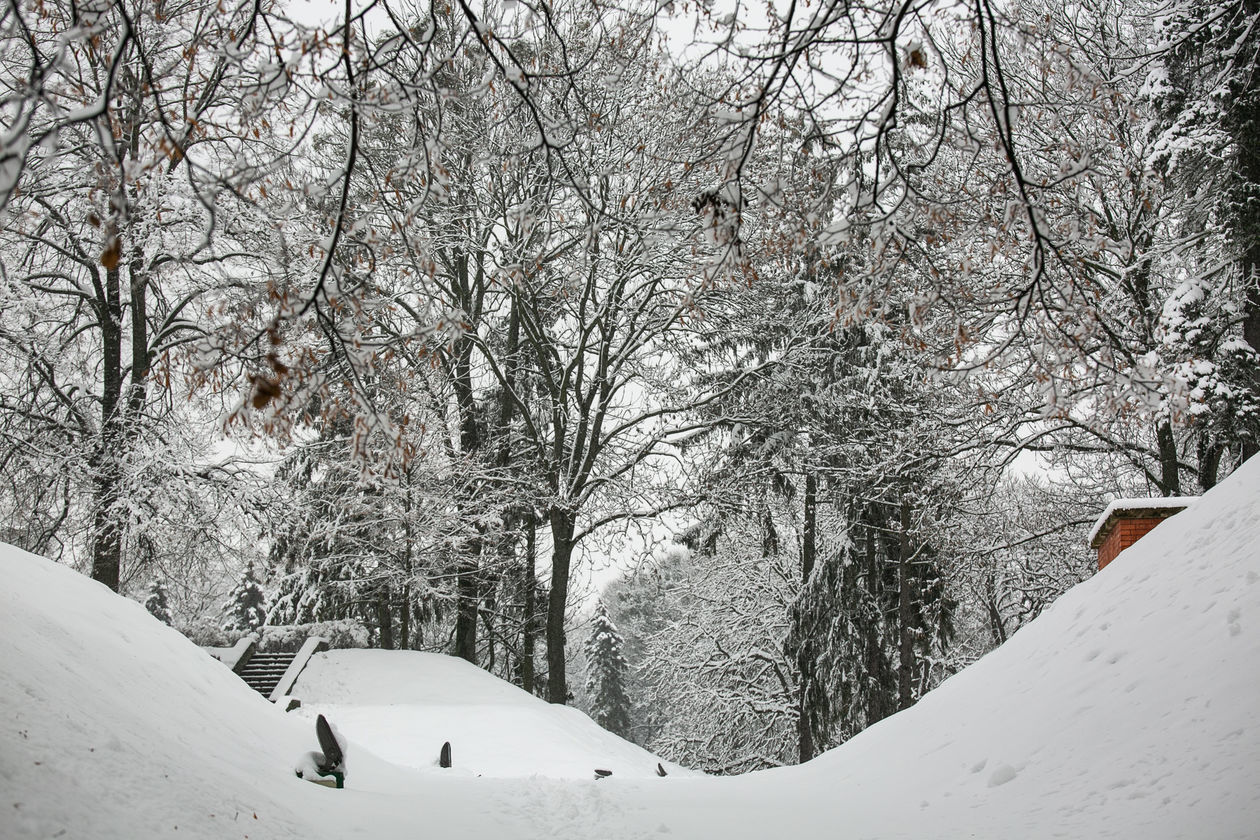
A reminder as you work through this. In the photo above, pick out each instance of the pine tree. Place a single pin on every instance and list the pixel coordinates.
(1207, 94)
(157, 603)
(246, 609)
(606, 674)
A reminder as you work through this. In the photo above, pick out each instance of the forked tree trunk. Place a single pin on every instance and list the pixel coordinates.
(107, 532)
(120, 406)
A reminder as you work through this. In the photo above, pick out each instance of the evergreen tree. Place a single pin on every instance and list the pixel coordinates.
(157, 603)
(1206, 93)
(606, 675)
(246, 609)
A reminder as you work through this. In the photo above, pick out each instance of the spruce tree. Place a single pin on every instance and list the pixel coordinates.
(246, 609)
(606, 674)
(157, 603)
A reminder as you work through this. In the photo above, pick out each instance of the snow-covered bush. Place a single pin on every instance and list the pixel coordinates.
(246, 608)
(344, 633)
(207, 631)
(158, 602)
(606, 674)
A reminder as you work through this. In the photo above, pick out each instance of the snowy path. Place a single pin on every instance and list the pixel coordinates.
(402, 705)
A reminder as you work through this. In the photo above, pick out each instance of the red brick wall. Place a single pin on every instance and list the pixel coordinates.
(1124, 533)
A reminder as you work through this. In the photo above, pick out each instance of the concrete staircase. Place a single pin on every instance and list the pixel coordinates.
(263, 671)
(273, 673)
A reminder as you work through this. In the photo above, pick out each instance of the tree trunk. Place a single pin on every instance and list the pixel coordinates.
(806, 747)
(487, 618)
(878, 706)
(404, 608)
(562, 523)
(139, 339)
(1209, 462)
(106, 468)
(119, 412)
(528, 609)
(468, 564)
(905, 665)
(107, 531)
(997, 627)
(467, 599)
(385, 619)
(1251, 307)
(404, 619)
(1170, 476)
(1247, 226)
(769, 536)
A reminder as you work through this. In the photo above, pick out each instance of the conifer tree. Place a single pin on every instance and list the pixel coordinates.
(157, 603)
(246, 609)
(606, 674)
(1206, 94)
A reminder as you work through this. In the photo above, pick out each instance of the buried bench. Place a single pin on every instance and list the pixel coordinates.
(327, 767)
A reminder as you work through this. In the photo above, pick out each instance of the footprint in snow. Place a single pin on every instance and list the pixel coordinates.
(1002, 775)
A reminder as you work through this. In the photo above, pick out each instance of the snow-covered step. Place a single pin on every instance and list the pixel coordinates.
(273, 673)
(264, 671)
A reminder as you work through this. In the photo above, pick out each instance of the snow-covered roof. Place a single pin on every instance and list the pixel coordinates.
(1166, 504)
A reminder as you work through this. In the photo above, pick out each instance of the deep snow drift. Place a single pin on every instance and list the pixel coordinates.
(1127, 710)
(117, 726)
(402, 705)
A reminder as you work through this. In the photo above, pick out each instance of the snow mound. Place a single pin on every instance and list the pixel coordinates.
(1128, 709)
(117, 726)
(403, 705)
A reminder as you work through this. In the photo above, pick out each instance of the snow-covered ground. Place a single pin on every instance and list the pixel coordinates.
(402, 705)
(1127, 710)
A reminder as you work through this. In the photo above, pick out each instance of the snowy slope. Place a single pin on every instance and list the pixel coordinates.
(117, 726)
(1127, 710)
(402, 705)
(1130, 709)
